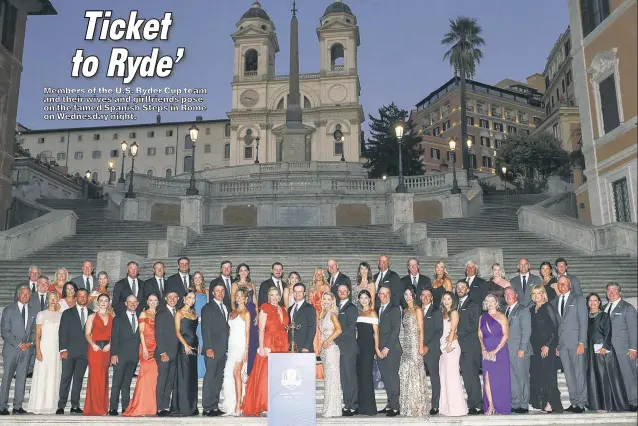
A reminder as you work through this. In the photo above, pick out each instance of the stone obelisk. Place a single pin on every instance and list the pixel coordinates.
(294, 133)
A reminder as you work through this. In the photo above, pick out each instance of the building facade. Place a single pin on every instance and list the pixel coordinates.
(561, 105)
(604, 39)
(13, 22)
(330, 102)
(492, 113)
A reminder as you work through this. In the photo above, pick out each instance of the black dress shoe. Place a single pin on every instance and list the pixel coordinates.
(347, 413)
(384, 411)
(578, 410)
(632, 408)
(4, 412)
(113, 413)
(521, 410)
(570, 409)
(221, 413)
(434, 411)
(18, 411)
(163, 413)
(212, 413)
(30, 375)
(59, 411)
(77, 410)
(392, 413)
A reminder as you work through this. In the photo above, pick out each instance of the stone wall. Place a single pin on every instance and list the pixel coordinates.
(165, 213)
(353, 215)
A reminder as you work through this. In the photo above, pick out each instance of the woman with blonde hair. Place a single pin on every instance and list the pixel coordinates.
(101, 288)
(45, 385)
(330, 329)
(441, 283)
(317, 288)
(243, 282)
(497, 285)
(59, 279)
(201, 299)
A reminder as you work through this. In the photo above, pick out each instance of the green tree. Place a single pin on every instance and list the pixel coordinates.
(531, 159)
(464, 39)
(382, 151)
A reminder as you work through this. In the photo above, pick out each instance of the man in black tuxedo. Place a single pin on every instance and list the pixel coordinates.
(182, 280)
(337, 278)
(224, 278)
(214, 346)
(389, 354)
(416, 279)
(73, 348)
(125, 344)
(166, 352)
(305, 318)
(274, 281)
(127, 286)
(347, 342)
(470, 362)
(478, 286)
(389, 279)
(432, 332)
(156, 285)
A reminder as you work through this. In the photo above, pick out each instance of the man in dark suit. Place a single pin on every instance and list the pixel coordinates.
(214, 346)
(417, 280)
(389, 279)
(520, 350)
(156, 284)
(347, 342)
(125, 344)
(389, 354)
(524, 282)
(337, 278)
(225, 271)
(86, 280)
(274, 281)
(305, 318)
(34, 274)
(478, 287)
(470, 362)
(127, 286)
(432, 332)
(624, 338)
(166, 352)
(561, 269)
(182, 280)
(73, 348)
(18, 333)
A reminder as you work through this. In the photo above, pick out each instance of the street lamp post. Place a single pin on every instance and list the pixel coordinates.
(123, 147)
(130, 193)
(111, 168)
(455, 184)
(257, 155)
(87, 175)
(194, 133)
(399, 132)
(469, 160)
(504, 170)
(343, 148)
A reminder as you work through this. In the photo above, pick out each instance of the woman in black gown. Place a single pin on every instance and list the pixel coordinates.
(549, 280)
(185, 399)
(543, 384)
(368, 341)
(605, 386)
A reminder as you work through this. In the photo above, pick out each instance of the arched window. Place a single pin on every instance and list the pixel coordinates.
(337, 53)
(149, 172)
(95, 176)
(169, 173)
(280, 105)
(251, 62)
(227, 130)
(306, 102)
(188, 164)
(113, 176)
(227, 151)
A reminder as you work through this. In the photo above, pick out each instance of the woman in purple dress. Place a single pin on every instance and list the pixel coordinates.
(493, 334)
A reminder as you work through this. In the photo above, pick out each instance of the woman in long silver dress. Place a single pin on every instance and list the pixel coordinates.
(413, 397)
(330, 328)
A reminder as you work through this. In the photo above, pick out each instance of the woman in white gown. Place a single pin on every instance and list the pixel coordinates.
(330, 329)
(45, 385)
(235, 368)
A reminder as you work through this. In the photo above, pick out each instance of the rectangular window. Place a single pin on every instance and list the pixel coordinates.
(485, 141)
(61, 156)
(96, 154)
(511, 129)
(227, 131)
(8, 21)
(450, 156)
(480, 108)
(40, 140)
(487, 162)
(248, 152)
(62, 138)
(568, 78)
(469, 121)
(446, 125)
(208, 131)
(435, 154)
(96, 137)
(151, 151)
(150, 134)
(207, 148)
(115, 153)
(132, 135)
(556, 131)
(484, 123)
(80, 138)
(436, 131)
(609, 104)
(498, 127)
(169, 133)
(338, 148)
(537, 121)
(169, 150)
(114, 136)
(592, 13)
(78, 155)
(621, 200)
(227, 151)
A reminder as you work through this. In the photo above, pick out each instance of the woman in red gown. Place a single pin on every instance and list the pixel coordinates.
(98, 333)
(273, 337)
(144, 403)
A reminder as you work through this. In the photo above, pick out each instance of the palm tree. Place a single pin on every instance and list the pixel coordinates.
(464, 39)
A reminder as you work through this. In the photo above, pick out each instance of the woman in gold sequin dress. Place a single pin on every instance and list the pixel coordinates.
(318, 287)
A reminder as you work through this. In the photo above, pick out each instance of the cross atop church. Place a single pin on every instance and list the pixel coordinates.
(294, 7)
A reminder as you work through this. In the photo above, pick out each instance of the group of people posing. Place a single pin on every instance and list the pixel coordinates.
(516, 333)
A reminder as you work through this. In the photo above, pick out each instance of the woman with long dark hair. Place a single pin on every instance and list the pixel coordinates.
(364, 282)
(368, 343)
(452, 402)
(184, 401)
(243, 282)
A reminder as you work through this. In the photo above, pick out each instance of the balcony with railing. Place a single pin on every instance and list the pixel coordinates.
(338, 67)
(250, 73)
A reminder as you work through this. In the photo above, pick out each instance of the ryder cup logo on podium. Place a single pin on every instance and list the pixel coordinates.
(291, 389)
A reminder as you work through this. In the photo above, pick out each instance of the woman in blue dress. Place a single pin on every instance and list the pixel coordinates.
(201, 299)
(242, 281)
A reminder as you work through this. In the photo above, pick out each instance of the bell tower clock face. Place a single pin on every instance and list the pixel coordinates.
(249, 98)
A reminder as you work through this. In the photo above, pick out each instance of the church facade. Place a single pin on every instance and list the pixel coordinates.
(331, 111)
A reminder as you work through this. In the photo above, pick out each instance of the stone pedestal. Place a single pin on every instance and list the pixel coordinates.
(400, 209)
(294, 145)
(453, 205)
(484, 257)
(192, 213)
(130, 209)
(114, 263)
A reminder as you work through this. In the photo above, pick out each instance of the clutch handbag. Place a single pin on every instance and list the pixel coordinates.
(102, 343)
(491, 358)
